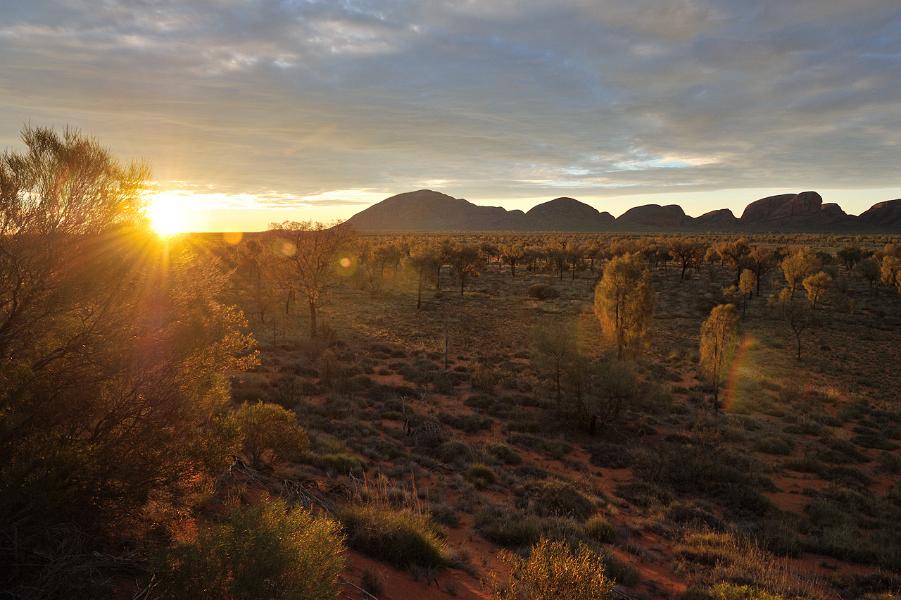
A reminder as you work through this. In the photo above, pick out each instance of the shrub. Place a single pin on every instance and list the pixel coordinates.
(556, 498)
(505, 454)
(263, 551)
(773, 445)
(600, 530)
(730, 591)
(401, 538)
(541, 291)
(508, 528)
(338, 463)
(483, 378)
(553, 570)
(482, 475)
(263, 426)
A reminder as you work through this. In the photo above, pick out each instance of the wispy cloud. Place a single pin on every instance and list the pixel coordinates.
(498, 99)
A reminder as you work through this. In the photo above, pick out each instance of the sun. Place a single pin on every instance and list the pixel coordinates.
(167, 214)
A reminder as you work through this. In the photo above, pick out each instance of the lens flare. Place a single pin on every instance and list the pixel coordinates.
(740, 367)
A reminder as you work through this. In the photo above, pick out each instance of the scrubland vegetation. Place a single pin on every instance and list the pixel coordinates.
(314, 413)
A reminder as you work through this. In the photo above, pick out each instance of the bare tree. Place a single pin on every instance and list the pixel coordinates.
(313, 251)
(798, 316)
(466, 261)
(423, 259)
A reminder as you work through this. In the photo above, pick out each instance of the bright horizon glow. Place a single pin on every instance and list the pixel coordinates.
(167, 214)
(200, 209)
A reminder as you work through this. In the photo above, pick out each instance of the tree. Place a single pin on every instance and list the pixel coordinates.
(624, 303)
(719, 336)
(869, 269)
(115, 354)
(734, 255)
(423, 259)
(688, 253)
(554, 571)
(850, 256)
(555, 347)
(512, 254)
(746, 283)
(466, 261)
(798, 316)
(762, 260)
(816, 287)
(798, 265)
(312, 251)
(890, 271)
(612, 384)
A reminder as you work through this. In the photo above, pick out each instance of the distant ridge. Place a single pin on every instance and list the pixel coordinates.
(428, 210)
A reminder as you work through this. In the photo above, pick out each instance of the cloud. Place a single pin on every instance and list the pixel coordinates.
(499, 99)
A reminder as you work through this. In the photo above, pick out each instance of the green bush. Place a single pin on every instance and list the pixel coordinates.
(259, 552)
(265, 427)
(401, 538)
(600, 530)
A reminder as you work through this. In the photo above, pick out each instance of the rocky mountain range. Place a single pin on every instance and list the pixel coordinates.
(427, 210)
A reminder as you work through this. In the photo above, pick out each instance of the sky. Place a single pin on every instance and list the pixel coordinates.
(255, 111)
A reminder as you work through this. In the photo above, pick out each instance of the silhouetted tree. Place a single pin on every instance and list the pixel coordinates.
(423, 260)
(512, 254)
(850, 256)
(466, 261)
(313, 251)
(798, 316)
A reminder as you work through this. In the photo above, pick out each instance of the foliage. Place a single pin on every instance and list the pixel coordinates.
(402, 538)
(259, 552)
(115, 349)
(553, 571)
(624, 303)
(264, 426)
(315, 254)
(719, 337)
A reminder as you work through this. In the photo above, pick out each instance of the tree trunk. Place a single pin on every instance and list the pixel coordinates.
(312, 319)
(419, 292)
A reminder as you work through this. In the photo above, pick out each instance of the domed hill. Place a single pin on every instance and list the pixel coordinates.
(794, 212)
(883, 216)
(653, 217)
(427, 210)
(568, 214)
(716, 220)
